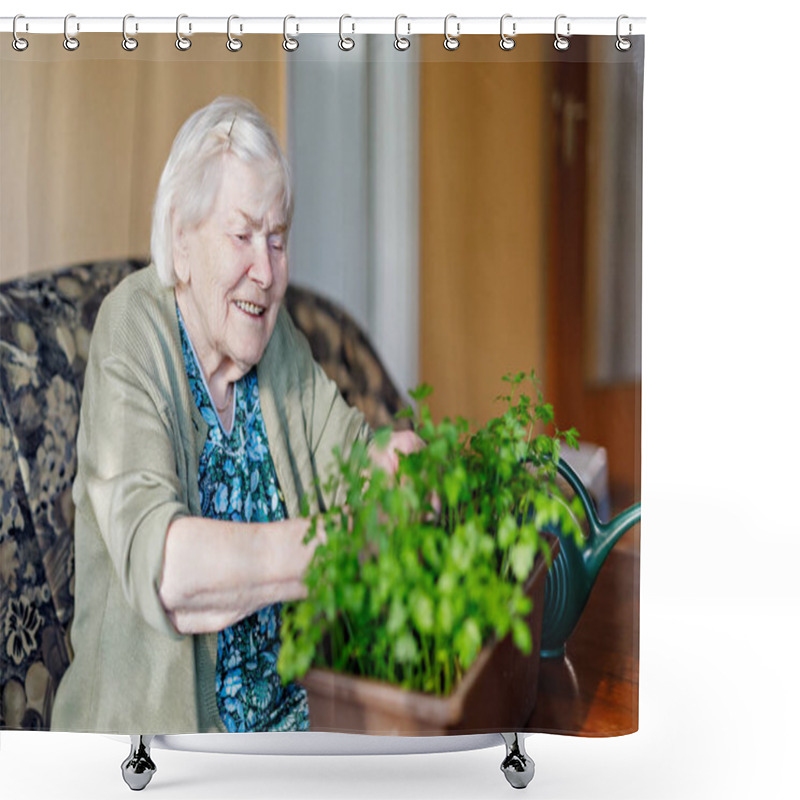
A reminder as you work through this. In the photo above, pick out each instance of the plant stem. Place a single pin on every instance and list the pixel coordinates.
(351, 638)
(426, 658)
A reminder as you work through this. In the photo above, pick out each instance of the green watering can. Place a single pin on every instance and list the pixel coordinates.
(574, 571)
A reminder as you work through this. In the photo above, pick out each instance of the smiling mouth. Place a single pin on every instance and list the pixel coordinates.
(249, 308)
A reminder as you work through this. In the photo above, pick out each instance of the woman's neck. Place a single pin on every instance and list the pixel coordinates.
(220, 374)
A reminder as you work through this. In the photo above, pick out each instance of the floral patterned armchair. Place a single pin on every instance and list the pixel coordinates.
(45, 328)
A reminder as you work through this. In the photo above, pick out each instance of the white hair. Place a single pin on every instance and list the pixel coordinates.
(193, 172)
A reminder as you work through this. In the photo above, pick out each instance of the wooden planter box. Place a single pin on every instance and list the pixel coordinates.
(497, 694)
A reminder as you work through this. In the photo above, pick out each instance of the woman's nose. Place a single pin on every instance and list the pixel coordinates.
(261, 267)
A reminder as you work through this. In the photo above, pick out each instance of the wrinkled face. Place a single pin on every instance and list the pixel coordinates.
(232, 273)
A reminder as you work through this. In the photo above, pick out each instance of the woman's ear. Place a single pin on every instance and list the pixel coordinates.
(180, 250)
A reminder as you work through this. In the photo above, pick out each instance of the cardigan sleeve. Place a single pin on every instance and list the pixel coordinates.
(330, 421)
(128, 480)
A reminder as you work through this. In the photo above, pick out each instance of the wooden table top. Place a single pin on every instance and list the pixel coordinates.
(594, 689)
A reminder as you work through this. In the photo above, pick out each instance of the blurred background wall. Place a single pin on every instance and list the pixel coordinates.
(84, 136)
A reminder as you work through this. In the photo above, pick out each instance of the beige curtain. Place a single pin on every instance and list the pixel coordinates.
(84, 136)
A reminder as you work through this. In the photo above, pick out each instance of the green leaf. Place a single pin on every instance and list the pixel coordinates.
(421, 611)
(311, 533)
(353, 595)
(447, 583)
(405, 648)
(437, 449)
(303, 614)
(430, 552)
(382, 437)
(544, 412)
(397, 616)
(571, 438)
(453, 483)
(460, 551)
(522, 604)
(467, 642)
(521, 634)
(422, 391)
(507, 532)
(444, 616)
(521, 559)
(328, 600)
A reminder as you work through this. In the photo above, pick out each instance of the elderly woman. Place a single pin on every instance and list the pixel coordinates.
(204, 422)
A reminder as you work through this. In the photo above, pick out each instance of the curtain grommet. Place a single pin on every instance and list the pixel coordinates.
(346, 43)
(71, 43)
(451, 42)
(622, 44)
(17, 42)
(561, 43)
(233, 44)
(129, 43)
(507, 42)
(401, 43)
(181, 42)
(290, 43)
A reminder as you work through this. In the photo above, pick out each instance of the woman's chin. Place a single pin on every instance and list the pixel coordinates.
(248, 353)
(245, 361)
(250, 339)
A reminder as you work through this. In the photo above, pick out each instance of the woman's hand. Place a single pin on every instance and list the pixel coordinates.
(388, 459)
(399, 442)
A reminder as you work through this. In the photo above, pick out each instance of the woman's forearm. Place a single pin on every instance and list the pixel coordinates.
(217, 572)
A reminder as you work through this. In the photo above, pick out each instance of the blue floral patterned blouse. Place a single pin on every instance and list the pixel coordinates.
(237, 481)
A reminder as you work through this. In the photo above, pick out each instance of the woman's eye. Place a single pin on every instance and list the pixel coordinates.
(276, 241)
(242, 237)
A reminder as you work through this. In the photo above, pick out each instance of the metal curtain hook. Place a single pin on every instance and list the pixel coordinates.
(129, 43)
(561, 42)
(507, 42)
(451, 42)
(345, 42)
(290, 43)
(233, 44)
(18, 43)
(70, 42)
(182, 43)
(622, 44)
(400, 42)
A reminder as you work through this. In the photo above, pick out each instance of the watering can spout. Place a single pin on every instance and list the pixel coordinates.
(575, 569)
(605, 536)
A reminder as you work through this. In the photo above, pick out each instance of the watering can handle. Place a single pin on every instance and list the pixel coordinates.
(571, 580)
(573, 479)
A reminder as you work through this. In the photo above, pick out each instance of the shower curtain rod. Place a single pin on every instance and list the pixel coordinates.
(405, 26)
